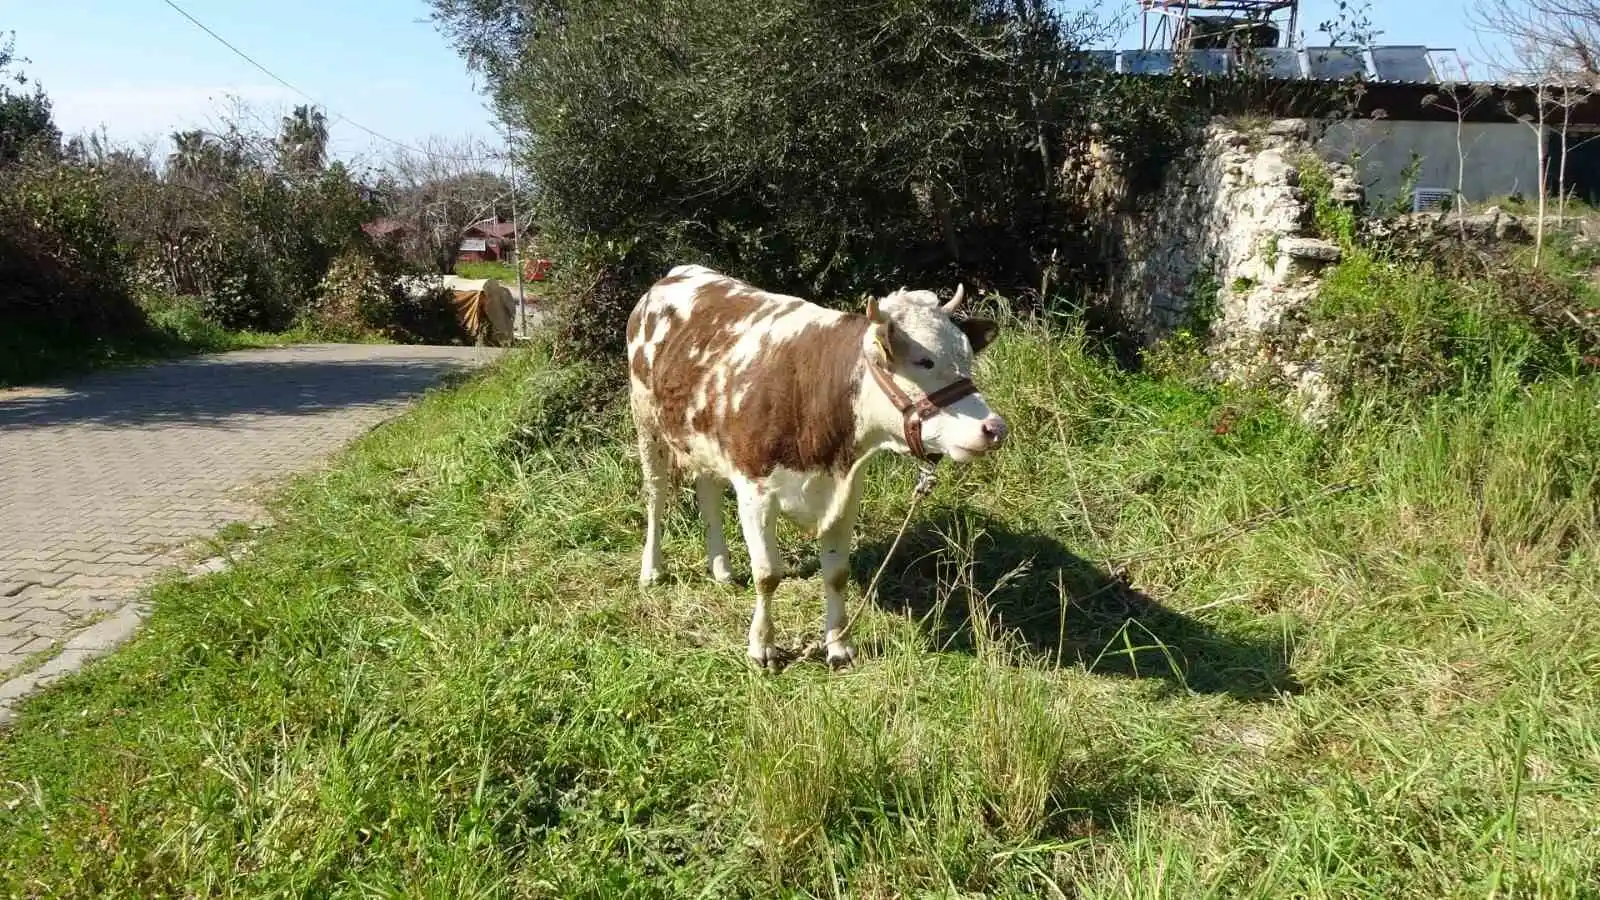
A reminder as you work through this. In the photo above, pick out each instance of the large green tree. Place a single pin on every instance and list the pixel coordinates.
(823, 146)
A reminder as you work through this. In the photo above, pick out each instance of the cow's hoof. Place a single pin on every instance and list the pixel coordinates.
(648, 579)
(841, 656)
(768, 658)
(722, 577)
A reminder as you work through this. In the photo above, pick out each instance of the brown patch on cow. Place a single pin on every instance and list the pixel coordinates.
(798, 395)
(636, 319)
(639, 366)
(799, 402)
(768, 584)
(688, 356)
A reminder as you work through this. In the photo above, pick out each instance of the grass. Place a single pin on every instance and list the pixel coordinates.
(176, 329)
(502, 271)
(1169, 643)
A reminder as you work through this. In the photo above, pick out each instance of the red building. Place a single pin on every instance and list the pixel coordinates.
(488, 240)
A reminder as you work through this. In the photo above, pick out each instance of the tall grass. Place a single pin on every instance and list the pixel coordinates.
(1168, 643)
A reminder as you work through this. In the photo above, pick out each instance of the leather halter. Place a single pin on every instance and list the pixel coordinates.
(917, 411)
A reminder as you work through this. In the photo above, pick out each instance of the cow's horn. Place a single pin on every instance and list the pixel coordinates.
(955, 302)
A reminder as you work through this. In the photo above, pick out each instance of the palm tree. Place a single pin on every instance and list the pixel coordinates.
(188, 151)
(303, 140)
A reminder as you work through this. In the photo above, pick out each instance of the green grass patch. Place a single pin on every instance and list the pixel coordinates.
(502, 271)
(1168, 643)
(176, 328)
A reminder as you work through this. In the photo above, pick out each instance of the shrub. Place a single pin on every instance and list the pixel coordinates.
(816, 147)
(354, 301)
(63, 283)
(824, 147)
(1438, 327)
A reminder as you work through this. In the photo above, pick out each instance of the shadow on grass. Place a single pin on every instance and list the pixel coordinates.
(1065, 608)
(239, 388)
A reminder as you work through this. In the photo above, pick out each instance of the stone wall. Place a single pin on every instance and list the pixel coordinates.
(1229, 218)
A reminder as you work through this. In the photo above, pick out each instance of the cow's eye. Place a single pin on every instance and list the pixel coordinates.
(925, 363)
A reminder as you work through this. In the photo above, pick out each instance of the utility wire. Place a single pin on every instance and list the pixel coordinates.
(315, 102)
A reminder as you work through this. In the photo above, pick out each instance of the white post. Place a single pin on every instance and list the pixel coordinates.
(520, 326)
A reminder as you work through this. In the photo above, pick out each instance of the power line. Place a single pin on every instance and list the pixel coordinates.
(315, 102)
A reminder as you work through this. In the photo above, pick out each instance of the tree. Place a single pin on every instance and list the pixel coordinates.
(828, 130)
(439, 189)
(1542, 37)
(201, 158)
(26, 122)
(1556, 45)
(1460, 100)
(1541, 136)
(303, 141)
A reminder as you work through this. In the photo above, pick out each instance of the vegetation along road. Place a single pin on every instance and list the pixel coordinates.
(103, 478)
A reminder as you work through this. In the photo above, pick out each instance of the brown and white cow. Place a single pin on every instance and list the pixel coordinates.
(785, 400)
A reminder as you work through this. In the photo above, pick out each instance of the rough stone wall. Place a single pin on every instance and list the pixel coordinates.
(1231, 213)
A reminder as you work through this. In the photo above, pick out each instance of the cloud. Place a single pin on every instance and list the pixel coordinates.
(135, 113)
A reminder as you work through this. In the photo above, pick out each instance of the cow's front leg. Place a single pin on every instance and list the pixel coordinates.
(758, 521)
(834, 548)
(708, 494)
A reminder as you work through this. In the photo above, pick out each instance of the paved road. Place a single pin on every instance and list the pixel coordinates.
(103, 480)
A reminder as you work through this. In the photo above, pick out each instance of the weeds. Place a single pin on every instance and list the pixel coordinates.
(1153, 648)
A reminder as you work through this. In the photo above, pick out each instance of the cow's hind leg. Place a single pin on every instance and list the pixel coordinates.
(758, 521)
(834, 549)
(708, 491)
(656, 467)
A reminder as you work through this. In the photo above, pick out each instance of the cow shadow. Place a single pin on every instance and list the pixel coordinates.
(1064, 609)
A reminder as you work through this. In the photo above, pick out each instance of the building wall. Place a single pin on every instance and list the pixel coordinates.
(1500, 157)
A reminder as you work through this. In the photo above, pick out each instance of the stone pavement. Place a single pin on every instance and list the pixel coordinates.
(104, 480)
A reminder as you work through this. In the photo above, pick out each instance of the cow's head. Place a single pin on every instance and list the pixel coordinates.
(920, 349)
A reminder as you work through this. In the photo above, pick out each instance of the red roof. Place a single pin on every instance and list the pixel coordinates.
(492, 228)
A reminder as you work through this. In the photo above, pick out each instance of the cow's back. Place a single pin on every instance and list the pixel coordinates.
(736, 380)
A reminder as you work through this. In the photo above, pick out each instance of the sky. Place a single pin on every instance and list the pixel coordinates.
(141, 70)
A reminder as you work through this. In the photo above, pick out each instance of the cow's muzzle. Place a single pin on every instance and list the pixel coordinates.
(915, 412)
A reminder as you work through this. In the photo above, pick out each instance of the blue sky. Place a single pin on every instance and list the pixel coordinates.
(142, 70)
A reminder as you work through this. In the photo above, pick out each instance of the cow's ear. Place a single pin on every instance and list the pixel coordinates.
(883, 340)
(981, 332)
(882, 329)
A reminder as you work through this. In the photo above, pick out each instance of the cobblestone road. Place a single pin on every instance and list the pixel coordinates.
(103, 480)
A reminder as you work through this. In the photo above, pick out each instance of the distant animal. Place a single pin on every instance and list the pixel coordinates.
(785, 400)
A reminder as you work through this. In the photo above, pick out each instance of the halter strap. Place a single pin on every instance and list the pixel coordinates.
(915, 412)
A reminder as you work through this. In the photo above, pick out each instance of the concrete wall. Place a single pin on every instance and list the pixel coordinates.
(1500, 157)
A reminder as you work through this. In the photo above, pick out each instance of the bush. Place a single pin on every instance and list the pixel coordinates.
(354, 301)
(1417, 329)
(63, 282)
(824, 147)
